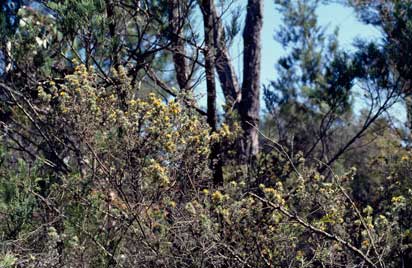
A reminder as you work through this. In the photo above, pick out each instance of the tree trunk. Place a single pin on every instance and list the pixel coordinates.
(249, 105)
(176, 20)
(224, 68)
(216, 161)
(114, 55)
(246, 100)
(408, 104)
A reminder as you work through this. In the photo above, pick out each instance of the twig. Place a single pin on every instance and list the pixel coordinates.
(325, 234)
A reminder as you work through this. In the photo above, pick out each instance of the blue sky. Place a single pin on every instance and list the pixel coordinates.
(332, 16)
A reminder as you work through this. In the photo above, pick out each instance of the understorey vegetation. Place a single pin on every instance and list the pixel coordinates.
(108, 157)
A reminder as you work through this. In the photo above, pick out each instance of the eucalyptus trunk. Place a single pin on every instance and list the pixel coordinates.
(209, 53)
(250, 103)
(176, 24)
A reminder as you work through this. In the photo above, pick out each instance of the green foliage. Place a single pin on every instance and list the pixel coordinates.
(97, 170)
(8, 260)
(314, 85)
(16, 202)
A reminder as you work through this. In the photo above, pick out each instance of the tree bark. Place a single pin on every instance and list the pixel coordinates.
(224, 68)
(246, 100)
(250, 103)
(110, 11)
(176, 20)
(209, 53)
(408, 104)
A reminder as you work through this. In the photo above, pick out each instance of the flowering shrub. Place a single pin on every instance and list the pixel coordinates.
(132, 188)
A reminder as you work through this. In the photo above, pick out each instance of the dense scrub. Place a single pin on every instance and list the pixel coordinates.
(134, 189)
(109, 159)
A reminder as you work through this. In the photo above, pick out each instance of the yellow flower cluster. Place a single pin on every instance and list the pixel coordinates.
(226, 133)
(159, 173)
(82, 71)
(174, 108)
(398, 199)
(274, 195)
(217, 196)
(404, 158)
(45, 97)
(365, 243)
(131, 128)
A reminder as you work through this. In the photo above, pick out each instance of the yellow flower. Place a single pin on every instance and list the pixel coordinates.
(155, 101)
(269, 191)
(172, 204)
(225, 129)
(170, 146)
(164, 180)
(279, 185)
(365, 243)
(217, 196)
(299, 255)
(225, 212)
(205, 191)
(112, 115)
(159, 172)
(368, 210)
(174, 108)
(132, 103)
(398, 199)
